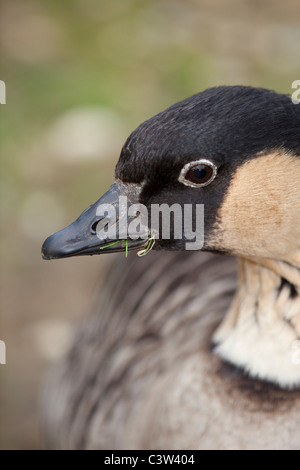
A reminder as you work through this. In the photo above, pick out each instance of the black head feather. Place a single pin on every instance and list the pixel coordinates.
(223, 123)
(227, 125)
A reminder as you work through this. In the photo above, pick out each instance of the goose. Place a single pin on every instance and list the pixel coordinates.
(191, 349)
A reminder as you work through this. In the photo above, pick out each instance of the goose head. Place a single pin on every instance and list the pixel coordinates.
(236, 152)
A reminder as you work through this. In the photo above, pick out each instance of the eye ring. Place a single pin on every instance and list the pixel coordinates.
(185, 170)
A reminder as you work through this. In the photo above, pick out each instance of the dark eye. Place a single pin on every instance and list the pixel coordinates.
(198, 174)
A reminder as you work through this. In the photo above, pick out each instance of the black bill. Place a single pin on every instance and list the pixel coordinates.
(82, 236)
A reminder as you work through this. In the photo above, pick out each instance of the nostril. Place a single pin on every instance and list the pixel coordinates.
(95, 226)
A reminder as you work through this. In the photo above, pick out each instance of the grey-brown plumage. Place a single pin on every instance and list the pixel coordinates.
(141, 373)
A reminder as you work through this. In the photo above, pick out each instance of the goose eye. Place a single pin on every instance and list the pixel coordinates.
(198, 174)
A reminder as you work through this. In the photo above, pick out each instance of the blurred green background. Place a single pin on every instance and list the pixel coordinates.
(80, 75)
